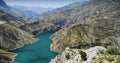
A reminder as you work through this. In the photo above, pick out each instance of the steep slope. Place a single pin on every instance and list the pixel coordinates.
(99, 29)
(9, 16)
(6, 57)
(10, 39)
(39, 27)
(77, 12)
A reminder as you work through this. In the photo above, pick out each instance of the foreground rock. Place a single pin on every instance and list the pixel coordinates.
(91, 55)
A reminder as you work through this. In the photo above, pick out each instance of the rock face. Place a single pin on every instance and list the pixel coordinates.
(93, 55)
(74, 56)
(100, 29)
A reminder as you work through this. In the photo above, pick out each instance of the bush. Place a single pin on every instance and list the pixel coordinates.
(113, 51)
(97, 42)
(83, 55)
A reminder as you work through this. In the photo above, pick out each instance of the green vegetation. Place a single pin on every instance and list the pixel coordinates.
(113, 51)
(97, 42)
(83, 55)
(117, 60)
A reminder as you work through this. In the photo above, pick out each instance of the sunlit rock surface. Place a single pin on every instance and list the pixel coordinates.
(74, 56)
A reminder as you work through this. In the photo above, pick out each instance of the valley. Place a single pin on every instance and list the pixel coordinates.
(65, 34)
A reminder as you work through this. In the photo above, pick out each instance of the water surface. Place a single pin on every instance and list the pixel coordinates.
(38, 52)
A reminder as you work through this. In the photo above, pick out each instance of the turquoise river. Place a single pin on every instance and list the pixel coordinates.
(38, 52)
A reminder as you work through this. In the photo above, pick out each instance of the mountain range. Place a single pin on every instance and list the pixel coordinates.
(79, 25)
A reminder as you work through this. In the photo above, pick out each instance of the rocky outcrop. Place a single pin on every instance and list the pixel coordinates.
(92, 55)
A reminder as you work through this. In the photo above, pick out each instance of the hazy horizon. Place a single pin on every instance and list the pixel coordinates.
(41, 3)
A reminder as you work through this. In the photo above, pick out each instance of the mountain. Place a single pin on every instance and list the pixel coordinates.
(76, 12)
(82, 25)
(9, 16)
(37, 10)
(30, 13)
(12, 38)
(39, 27)
(27, 14)
(97, 24)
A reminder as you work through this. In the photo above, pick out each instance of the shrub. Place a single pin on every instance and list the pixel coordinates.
(83, 55)
(97, 42)
(113, 51)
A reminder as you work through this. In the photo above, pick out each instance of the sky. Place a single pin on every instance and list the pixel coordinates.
(40, 3)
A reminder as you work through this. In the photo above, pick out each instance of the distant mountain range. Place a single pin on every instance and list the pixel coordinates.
(20, 12)
(37, 10)
(30, 12)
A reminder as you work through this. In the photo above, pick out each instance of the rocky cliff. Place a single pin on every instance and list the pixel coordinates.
(92, 55)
